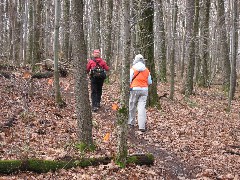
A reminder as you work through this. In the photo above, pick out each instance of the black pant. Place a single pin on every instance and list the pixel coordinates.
(96, 88)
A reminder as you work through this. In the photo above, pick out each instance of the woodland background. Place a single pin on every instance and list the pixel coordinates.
(191, 47)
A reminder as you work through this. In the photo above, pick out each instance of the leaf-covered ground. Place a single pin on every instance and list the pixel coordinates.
(191, 138)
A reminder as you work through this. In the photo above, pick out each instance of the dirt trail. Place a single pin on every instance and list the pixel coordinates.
(168, 164)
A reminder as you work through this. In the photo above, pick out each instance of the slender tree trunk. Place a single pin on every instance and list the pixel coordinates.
(108, 42)
(25, 57)
(162, 46)
(17, 33)
(38, 30)
(47, 33)
(192, 25)
(2, 25)
(95, 40)
(183, 50)
(12, 17)
(224, 47)
(174, 14)
(66, 29)
(83, 108)
(122, 114)
(234, 44)
(30, 34)
(58, 97)
(146, 42)
(205, 25)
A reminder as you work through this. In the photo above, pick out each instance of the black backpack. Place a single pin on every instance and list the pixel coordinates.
(98, 72)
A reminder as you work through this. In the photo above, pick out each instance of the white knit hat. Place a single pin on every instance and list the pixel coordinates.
(138, 58)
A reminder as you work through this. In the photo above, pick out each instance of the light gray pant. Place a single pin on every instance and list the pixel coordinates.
(138, 99)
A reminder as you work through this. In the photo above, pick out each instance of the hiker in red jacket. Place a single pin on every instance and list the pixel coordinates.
(96, 68)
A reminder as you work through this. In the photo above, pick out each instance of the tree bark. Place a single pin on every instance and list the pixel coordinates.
(172, 65)
(234, 44)
(146, 42)
(66, 29)
(95, 40)
(38, 40)
(108, 42)
(204, 79)
(123, 111)
(58, 97)
(192, 25)
(224, 47)
(160, 31)
(83, 108)
(30, 34)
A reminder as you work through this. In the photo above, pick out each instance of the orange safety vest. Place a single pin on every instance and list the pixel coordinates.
(141, 79)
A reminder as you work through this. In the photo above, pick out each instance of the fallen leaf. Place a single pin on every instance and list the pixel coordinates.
(50, 82)
(26, 75)
(67, 87)
(115, 107)
(106, 137)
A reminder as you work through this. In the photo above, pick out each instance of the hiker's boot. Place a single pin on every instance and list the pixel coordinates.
(94, 109)
(98, 105)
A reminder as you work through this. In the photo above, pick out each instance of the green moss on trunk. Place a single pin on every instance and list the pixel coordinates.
(43, 166)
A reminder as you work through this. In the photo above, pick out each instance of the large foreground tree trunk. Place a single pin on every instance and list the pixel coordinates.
(122, 114)
(83, 109)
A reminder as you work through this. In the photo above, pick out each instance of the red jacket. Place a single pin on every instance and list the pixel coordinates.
(91, 64)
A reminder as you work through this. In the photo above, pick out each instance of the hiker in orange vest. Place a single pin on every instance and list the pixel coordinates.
(140, 78)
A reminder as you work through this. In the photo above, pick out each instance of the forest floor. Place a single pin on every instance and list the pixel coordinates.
(190, 138)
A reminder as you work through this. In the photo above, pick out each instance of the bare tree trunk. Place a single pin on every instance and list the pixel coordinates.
(183, 52)
(83, 108)
(66, 29)
(234, 48)
(192, 25)
(47, 40)
(25, 29)
(174, 21)
(38, 31)
(146, 42)
(122, 114)
(58, 97)
(161, 56)
(116, 35)
(12, 17)
(224, 47)
(3, 27)
(95, 40)
(204, 79)
(17, 32)
(30, 34)
(108, 42)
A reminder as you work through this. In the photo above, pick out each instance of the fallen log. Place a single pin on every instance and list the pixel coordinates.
(40, 75)
(48, 74)
(44, 166)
